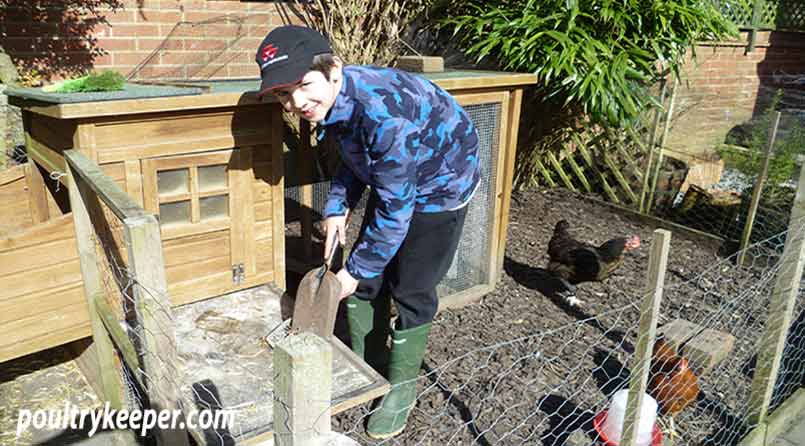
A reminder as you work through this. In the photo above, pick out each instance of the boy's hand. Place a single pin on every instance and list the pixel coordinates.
(348, 283)
(332, 226)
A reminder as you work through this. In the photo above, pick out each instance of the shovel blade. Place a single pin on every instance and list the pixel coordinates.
(316, 304)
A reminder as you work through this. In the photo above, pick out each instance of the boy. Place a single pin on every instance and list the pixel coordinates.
(416, 148)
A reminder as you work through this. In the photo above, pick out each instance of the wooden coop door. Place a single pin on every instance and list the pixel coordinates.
(206, 214)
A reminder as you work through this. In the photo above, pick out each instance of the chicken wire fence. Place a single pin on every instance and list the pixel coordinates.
(744, 193)
(546, 387)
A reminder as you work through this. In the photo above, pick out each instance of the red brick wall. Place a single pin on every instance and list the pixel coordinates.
(726, 87)
(173, 38)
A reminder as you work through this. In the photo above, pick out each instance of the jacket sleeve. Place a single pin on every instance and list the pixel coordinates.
(392, 174)
(345, 192)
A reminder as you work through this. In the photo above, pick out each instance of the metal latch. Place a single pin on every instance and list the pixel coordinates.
(238, 274)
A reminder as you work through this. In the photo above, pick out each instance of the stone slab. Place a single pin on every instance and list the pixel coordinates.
(705, 350)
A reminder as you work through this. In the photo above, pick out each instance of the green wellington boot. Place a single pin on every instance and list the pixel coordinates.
(369, 331)
(407, 351)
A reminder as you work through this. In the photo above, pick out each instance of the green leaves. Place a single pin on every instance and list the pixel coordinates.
(600, 55)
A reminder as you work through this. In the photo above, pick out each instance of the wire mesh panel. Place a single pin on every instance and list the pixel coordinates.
(470, 266)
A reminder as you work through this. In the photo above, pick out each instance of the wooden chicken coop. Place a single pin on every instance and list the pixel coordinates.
(208, 159)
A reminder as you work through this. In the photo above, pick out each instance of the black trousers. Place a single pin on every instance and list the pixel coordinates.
(423, 259)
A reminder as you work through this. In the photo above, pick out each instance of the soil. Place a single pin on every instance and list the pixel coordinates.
(523, 367)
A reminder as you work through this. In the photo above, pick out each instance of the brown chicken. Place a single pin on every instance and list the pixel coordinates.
(574, 262)
(671, 381)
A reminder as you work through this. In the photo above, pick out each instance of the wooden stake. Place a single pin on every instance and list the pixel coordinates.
(781, 309)
(647, 331)
(758, 188)
(660, 148)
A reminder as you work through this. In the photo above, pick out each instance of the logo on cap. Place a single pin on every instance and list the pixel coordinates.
(269, 51)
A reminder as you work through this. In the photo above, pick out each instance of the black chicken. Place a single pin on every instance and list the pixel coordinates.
(574, 262)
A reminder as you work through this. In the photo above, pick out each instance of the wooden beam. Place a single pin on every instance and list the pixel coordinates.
(37, 193)
(111, 376)
(155, 320)
(781, 309)
(558, 168)
(574, 166)
(119, 202)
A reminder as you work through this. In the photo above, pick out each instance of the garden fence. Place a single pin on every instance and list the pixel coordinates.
(544, 387)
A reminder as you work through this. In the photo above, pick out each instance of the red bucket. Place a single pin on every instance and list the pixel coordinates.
(598, 422)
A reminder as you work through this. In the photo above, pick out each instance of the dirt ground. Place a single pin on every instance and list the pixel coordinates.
(522, 367)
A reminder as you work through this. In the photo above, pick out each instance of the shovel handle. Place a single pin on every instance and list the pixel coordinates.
(329, 260)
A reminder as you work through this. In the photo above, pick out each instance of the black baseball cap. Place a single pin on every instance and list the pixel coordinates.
(286, 54)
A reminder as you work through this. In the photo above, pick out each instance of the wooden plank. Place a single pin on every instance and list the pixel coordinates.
(56, 229)
(196, 146)
(265, 259)
(84, 140)
(546, 174)
(50, 160)
(37, 193)
(174, 231)
(646, 333)
(241, 211)
(278, 199)
(464, 298)
(505, 152)
(195, 207)
(574, 166)
(42, 302)
(558, 168)
(112, 195)
(11, 174)
(44, 342)
(264, 211)
(37, 279)
(155, 320)
(133, 178)
(190, 249)
(114, 388)
(616, 172)
(304, 172)
(21, 330)
(585, 154)
(205, 287)
(781, 309)
(496, 97)
(119, 337)
(200, 268)
(37, 256)
(263, 230)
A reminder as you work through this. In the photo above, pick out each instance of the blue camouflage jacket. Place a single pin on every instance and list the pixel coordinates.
(408, 140)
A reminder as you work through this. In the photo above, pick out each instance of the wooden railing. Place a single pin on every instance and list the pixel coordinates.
(98, 204)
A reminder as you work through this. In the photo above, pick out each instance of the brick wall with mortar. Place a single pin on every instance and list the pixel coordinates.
(157, 38)
(726, 87)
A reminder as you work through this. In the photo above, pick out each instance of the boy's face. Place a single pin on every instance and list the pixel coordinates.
(313, 96)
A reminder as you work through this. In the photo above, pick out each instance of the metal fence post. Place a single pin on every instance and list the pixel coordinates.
(647, 331)
(781, 309)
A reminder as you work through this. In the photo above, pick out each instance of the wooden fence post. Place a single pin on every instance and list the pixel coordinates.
(651, 143)
(661, 148)
(156, 324)
(761, 180)
(302, 390)
(781, 309)
(111, 380)
(647, 331)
